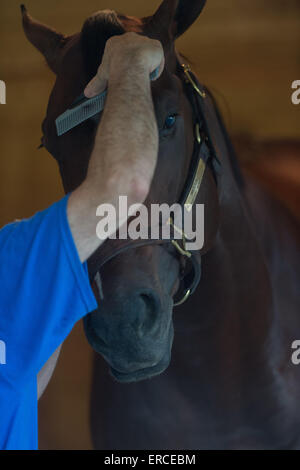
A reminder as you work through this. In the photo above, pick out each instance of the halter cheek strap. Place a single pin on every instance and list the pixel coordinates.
(203, 154)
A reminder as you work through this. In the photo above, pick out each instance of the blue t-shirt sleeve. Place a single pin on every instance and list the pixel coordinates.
(44, 290)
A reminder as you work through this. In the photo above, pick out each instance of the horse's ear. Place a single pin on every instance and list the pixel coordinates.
(46, 40)
(176, 16)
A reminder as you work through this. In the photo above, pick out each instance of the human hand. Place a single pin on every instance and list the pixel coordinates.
(125, 53)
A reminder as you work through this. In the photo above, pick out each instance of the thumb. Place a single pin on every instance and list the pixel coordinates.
(158, 71)
(96, 86)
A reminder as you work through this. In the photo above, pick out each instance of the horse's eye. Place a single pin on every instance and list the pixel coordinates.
(170, 121)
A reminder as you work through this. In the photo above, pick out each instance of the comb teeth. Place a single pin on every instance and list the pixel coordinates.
(85, 110)
(73, 117)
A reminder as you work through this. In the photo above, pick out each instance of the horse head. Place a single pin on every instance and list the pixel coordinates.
(133, 328)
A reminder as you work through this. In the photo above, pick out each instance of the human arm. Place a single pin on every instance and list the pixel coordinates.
(126, 144)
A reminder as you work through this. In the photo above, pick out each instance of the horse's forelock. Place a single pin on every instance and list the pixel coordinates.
(98, 29)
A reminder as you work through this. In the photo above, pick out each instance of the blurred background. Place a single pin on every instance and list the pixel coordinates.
(247, 53)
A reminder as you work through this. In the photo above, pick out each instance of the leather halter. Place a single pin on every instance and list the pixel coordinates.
(203, 154)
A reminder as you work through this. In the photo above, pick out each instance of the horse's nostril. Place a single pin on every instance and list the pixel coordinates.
(150, 302)
(147, 311)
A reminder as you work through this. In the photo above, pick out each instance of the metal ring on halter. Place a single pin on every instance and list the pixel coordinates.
(184, 298)
(189, 281)
(187, 70)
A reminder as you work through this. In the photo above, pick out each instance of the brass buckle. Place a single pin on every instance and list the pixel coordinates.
(187, 70)
(181, 250)
(197, 132)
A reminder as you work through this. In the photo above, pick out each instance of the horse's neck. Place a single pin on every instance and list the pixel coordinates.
(229, 319)
(234, 303)
(238, 271)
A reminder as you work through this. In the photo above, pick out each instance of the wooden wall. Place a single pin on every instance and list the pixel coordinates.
(247, 52)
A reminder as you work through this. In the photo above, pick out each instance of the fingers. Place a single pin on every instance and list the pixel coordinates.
(96, 86)
(160, 69)
(126, 48)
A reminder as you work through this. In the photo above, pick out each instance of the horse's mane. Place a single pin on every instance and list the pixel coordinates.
(238, 176)
(107, 23)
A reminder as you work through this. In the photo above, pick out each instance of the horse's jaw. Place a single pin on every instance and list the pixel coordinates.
(133, 369)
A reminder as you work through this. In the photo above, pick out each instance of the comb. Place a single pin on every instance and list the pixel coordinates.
(83, 109)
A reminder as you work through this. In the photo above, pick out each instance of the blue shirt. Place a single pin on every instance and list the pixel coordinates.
(44, 291)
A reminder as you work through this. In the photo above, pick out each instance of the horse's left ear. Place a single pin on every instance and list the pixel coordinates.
(45, 39)
(177, 15)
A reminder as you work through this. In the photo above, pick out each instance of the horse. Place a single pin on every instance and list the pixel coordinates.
(220, 368)
(275, 164)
